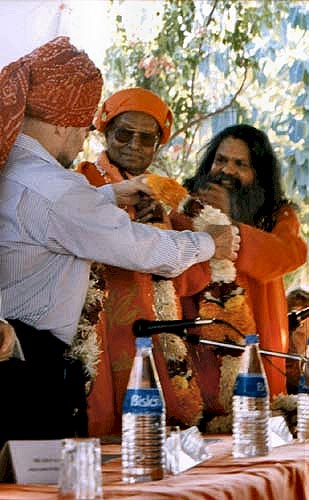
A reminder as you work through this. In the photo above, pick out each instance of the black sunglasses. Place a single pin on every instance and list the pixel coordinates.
(125, 135)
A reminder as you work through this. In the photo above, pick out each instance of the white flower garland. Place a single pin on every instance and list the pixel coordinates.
(221, 269)
(164, 308)
(85, 345)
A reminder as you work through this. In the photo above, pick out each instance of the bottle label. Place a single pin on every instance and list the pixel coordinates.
(250, 385)
(302, 387)
(143, 401)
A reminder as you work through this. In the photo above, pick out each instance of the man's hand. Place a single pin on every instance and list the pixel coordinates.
(7, 340)
(216, 196)
(227, 241)
(129, 192)
(150, 210)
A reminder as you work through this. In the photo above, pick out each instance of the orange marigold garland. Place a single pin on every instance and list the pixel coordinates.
(167, 307)
(178, 361)
(222, 299)
(166, 190)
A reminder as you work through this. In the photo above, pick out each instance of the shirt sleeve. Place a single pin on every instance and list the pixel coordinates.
(85, 222)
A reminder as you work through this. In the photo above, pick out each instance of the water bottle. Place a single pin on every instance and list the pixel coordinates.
(303, 401)
(143, 419)
(251, 411)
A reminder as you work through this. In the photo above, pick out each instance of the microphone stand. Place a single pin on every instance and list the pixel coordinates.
(146, 328)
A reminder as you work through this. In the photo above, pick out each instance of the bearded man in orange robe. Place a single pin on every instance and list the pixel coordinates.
(240, 175)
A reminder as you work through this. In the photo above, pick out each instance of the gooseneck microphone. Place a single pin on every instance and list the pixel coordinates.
(146, 328)
(296, 317)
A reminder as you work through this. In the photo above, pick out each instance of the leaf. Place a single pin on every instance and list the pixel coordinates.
(296, 130)
(297, 72)
(221, 62)
(261, 78)
(301, 99)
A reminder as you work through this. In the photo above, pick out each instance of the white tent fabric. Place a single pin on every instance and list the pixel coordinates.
(27, 24)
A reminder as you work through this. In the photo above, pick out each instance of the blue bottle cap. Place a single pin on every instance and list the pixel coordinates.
(252, 338)
(143, 342)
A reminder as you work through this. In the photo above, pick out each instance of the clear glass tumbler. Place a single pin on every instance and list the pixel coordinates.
(80, 475)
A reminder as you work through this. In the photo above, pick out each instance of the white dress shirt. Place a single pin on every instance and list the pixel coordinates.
(53, 223)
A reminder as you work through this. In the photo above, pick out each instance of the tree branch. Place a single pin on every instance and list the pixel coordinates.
(212, 113)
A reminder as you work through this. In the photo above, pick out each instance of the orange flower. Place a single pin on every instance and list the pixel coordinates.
(235, 312)
(166, 189)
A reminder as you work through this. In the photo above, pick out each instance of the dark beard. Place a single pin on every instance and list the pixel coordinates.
(246, 201)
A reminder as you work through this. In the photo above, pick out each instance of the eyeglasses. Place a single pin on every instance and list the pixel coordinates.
(125, 135)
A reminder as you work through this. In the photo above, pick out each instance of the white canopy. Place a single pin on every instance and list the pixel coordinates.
(27, 24)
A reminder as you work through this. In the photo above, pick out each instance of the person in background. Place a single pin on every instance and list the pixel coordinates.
(135, 121)
(240, 174)
(50, 236)
(298, 300)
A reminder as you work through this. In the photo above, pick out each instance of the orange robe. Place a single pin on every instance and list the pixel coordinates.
(264, 258)
(130, 297)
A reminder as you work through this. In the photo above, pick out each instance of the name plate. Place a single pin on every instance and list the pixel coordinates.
(30, 462)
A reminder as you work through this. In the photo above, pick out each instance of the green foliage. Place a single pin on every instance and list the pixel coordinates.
(220, 62)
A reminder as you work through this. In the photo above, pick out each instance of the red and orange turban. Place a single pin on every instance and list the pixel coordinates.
(56, 83)
(136, 99)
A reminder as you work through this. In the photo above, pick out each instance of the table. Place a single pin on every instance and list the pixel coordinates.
(283, 475)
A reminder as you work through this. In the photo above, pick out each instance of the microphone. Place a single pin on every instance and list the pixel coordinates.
(146, 328)
(296, 317)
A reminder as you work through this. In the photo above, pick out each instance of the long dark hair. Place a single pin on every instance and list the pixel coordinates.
(264, 162)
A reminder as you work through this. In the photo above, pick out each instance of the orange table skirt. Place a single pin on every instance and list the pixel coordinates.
(283, 475)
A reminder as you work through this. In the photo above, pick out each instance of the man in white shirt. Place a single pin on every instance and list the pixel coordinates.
(49, 234)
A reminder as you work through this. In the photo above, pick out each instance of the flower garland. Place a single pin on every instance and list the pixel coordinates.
(222, 299)
(183, 380)
(86, 345)
(223, 295)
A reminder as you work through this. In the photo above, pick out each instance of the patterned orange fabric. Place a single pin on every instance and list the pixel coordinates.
(136, 99)
(56, 83)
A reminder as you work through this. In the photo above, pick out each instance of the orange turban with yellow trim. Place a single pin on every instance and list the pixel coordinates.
(56, 83)
(136, 99)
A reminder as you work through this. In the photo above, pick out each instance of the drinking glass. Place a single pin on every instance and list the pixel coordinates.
(80, 474)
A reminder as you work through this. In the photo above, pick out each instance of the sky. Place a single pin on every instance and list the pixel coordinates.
(27, 24)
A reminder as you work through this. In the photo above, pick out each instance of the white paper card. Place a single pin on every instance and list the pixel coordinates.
(31, 461)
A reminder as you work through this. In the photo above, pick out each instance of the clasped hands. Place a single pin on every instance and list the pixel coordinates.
(226, 238)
